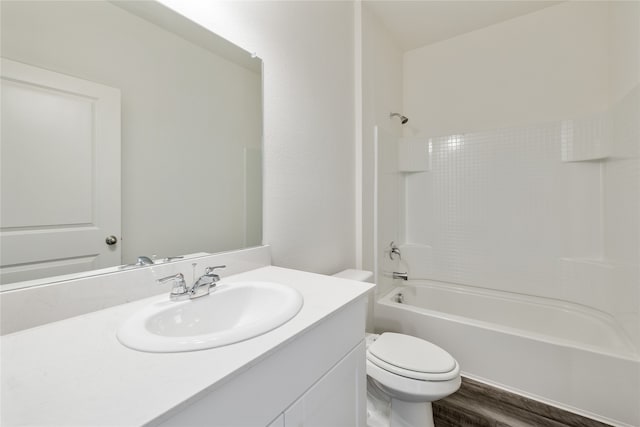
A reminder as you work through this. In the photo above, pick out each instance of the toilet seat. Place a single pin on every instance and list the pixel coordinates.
(412, 357)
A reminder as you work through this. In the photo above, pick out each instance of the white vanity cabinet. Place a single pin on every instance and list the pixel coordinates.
(338, 399)
(309, 372)
(316, 379)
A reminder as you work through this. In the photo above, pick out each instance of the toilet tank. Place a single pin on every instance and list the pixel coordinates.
(358, 275)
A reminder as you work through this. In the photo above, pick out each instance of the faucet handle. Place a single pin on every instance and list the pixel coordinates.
(213, 277)
(209, 270)
(394, 250)
(179, 285)
(206, 282)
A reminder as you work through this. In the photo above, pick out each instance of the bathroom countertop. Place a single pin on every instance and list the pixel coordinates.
(76, 372)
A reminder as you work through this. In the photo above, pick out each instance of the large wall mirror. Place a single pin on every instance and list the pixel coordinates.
(127, 130)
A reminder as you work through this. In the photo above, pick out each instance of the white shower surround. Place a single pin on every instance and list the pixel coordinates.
(549, 210)
(534, 185)
(519, 257)
(516, 248)
(512, 342)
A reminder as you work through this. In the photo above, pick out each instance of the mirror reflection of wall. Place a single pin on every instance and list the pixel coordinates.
(191, 124)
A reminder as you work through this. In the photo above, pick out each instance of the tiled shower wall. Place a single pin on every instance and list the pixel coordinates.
(551, 210)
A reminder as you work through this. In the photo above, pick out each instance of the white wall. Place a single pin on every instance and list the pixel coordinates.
(624, 48)
(308, 51)
(182, 149)
(539, 67)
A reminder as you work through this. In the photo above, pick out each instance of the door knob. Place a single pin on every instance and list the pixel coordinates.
(111, 240)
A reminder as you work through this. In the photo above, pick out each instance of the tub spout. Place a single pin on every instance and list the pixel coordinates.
(403, 276)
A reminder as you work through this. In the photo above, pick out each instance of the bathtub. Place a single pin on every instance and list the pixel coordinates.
(562, 354)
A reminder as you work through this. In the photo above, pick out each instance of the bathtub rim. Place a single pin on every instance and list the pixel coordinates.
(632, 354)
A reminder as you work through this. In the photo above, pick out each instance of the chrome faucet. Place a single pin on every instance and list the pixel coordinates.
(201, 287)
(144, 260)
(141, 262)
(208, 280)
(179, 290)
(393, 251)
(403, 276)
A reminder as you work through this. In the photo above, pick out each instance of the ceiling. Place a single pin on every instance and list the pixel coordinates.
(417, 23)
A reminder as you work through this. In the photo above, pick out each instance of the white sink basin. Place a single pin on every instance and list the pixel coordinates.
(232, 312)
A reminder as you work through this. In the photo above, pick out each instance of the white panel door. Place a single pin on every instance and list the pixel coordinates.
(60, 173)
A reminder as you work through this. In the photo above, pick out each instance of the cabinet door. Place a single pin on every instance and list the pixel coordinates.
(338, 399)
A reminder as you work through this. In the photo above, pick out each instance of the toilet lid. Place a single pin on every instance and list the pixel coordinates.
(411, 353)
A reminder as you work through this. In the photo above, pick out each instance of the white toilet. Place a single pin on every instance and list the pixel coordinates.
(404, 375)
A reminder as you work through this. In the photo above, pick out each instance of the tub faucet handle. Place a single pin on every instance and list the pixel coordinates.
(394, 250)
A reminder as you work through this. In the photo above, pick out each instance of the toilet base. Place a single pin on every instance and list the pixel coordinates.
(410, 414)
(378, 406)
(383, 411)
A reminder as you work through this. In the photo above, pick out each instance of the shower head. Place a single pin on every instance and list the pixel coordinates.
(403, 119)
